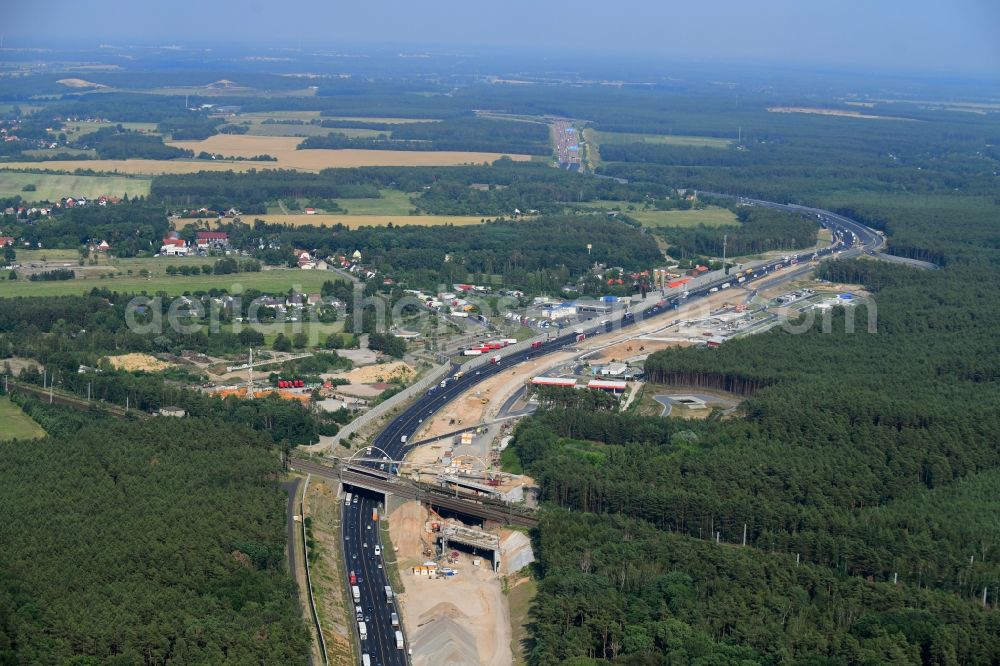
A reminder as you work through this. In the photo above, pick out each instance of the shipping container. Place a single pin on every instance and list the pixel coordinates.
(472, 352)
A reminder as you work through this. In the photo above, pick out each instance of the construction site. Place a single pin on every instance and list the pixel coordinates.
(454, 577)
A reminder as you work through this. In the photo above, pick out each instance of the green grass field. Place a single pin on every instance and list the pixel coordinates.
(77, 129)
(17, 424)
(272, 281)
(316, 331)
(52, 187)
(712, 216)
(667, 139)
(520, 600)
(392, 202)
(261, 129)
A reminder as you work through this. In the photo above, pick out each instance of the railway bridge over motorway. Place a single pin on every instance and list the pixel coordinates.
(439, 498)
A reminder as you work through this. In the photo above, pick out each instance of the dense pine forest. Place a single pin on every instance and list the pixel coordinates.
(861, 468)
(144, 542)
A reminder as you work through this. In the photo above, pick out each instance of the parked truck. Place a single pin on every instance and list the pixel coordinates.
(536, 344)
(356, 592)
(495, 359)
(399, 640)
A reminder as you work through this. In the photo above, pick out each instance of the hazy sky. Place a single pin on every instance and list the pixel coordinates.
(957, 36)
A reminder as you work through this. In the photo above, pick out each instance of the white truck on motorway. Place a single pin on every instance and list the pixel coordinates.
(388, 593)
(399, 640)
(395, 619)
(366, 660)
(356, 593)
(363, 630)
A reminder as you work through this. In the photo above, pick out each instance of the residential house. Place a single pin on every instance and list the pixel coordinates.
(208, 240)
(174, 247)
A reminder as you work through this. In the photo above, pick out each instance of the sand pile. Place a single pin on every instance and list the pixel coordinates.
(443, 639)
(137, 363)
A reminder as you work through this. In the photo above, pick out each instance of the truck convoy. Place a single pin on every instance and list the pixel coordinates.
(487, 347)
(356, 593)
(363, 630)
(388, 594)
(399, 640)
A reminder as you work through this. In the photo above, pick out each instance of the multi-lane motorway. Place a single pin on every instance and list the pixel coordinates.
(361, 533)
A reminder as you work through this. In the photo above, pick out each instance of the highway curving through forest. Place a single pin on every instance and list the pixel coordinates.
(361, 534)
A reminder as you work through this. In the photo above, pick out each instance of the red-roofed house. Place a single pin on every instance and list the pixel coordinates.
(174, 247)
(6, 240)
(209, 239)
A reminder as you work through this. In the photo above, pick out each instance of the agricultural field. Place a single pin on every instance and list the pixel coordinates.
(390, 202)
(262, 129)
(355, 221)
(283, 148)
(387, 121)
(17, 424)
(75, 130)
(667, 139)
(273, 281)
(712, 216)
(140, 167)
(52, 187)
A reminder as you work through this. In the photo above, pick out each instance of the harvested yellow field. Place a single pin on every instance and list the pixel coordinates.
(353, 221)
(137, 362)
(284, 148)
(276, 146)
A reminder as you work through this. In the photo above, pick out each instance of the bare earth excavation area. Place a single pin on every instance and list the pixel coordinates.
(454, 620)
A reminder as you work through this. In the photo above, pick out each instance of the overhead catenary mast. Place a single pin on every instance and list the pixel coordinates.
(250, 395)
